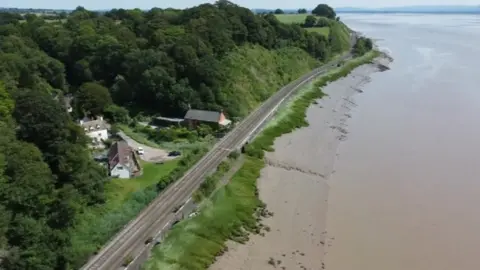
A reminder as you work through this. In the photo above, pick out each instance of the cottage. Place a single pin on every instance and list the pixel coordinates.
(195, 117)
(121, 160)
(96, 129)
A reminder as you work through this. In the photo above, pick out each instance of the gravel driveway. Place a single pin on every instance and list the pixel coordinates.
(151, 154)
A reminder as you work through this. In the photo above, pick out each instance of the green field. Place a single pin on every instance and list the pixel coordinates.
(292, 18)
(300, 19)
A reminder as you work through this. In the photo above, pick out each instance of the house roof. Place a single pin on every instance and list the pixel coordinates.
(119, 153)
(201, 115)
(93, 125)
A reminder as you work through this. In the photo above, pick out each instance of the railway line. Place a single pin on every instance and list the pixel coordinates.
(131, 240)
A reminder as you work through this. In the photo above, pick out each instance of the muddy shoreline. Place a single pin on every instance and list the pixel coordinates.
(295, 183)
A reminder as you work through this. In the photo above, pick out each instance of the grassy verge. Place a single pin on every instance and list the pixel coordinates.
(234, 208)
(210, 183)
(125, 199)
(321, 30)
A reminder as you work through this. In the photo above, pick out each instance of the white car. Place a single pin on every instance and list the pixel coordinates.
(140, 151)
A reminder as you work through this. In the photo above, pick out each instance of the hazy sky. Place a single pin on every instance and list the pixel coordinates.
(146, 4)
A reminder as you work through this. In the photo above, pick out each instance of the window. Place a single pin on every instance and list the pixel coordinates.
(120, 167)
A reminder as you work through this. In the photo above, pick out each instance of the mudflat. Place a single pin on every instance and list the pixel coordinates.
(295, 185)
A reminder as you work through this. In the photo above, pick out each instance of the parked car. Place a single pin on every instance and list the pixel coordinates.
(174, 153)
(140, 151)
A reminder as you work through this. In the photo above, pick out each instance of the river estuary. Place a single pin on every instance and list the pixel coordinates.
(406, 189)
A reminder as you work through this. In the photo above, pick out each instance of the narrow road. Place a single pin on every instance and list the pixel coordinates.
(150, 154)
(131, 240)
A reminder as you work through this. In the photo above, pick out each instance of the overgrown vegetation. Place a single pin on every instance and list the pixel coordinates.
(55, 202)
(211, 182)
(235, 209)
(362, 46)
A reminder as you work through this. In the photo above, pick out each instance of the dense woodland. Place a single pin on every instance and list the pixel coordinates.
(117, 63)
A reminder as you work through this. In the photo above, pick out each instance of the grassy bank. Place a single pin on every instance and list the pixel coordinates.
(254, 73)
(321, 30)
(233, 210)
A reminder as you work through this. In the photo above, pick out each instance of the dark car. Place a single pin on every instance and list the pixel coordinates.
(174, 153)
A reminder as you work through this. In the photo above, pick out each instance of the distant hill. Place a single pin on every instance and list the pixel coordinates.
(414, 9)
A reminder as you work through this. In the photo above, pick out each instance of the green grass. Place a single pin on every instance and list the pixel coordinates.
(194, 243)
(183, 145)
(119, 189)
(321, 30)
(292, 18)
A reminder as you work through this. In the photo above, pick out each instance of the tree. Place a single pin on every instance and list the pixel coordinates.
(324, 10)
(93, 98)
(362, 46)
(118, 63)
(310, 21)
(302, 11)
(30, 187)
(6, 103)
(323, 22)
(116, 114)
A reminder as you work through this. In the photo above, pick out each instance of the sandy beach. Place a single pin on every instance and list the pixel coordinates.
(295, 185)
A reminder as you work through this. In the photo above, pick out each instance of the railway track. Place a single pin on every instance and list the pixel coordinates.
(130, 241)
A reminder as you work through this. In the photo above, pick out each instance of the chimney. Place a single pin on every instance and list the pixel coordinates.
(81, 122)
(100, 118)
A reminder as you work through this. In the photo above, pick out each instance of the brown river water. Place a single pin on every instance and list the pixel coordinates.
(406, 189)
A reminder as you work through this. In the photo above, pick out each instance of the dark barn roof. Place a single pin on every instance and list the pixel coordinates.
(206, 116)
(119, 153)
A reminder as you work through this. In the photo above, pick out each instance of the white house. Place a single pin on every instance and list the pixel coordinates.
(121, 162)
(96, 129)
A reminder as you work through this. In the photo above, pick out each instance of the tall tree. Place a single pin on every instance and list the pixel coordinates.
(324, 10)
(93, 98)
(310, 21)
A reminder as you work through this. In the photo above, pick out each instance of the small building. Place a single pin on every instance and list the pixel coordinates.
(193, 118)
(96, 129)
(121, 160)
